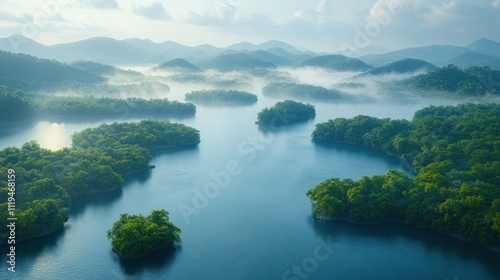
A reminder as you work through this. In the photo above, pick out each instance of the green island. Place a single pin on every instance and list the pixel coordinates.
(16, 105)
(285, 113)
(111, 107)
(221, 97)
(135, 236)
(46, 180)
(304, 91)
(455, 151)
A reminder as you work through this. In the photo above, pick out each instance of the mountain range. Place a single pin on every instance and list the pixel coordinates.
(483, 52)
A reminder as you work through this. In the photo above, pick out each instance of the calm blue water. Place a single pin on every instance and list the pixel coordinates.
(253, 224)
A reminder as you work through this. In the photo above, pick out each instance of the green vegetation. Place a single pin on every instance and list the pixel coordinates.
(14, 105)
(337, 63)
(237, 61)
(179, 64)
(45, 179)
(285, 113)
(110, 107)
(29, 73)
(453, 81)
(304, 91)
(134, 236)
(147, 134)
(221, 97)
(456, 154)
(407, 65)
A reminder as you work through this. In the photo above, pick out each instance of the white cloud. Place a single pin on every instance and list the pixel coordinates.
(444, 13)
(219, 13)
(496, 3)
(102, 4)
(155, 11)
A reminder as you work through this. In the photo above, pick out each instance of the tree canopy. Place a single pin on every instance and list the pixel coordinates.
(97, 161)
(219, 96)
(304, 91)
(455, 151)
(134, 236)
(285, 113)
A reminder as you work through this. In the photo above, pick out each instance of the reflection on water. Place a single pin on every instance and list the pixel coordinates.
(52, 135)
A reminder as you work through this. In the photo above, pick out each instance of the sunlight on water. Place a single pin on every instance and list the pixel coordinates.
(51, 135)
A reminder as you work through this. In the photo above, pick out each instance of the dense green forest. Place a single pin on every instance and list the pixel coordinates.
(219, 96)
(337, 63)
(134, 236)
(178, 64)
(29, 73)
(304, 91)
(90, 106)
(45, 179)
(407, 65)
(451, 81)
(147, 134)
(285, 113)
(456, 154)
(15, 105)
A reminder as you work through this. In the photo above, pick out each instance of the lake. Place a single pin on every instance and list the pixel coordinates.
(239, 199)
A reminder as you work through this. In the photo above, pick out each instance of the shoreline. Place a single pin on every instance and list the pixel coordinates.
(154, 249)
(367, 147)
(327, 218)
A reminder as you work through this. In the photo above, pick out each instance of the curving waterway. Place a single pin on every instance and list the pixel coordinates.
(239, 198)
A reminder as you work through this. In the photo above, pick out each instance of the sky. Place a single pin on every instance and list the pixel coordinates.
(321, 25)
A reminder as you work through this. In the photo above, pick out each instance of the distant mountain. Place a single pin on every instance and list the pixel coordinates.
(29, 73)
(236, 61)
(295, 58)
(20, 44)
(266, 56)
(472, 58)
(364, 51)
(336, 62)
(486, 46)
(264, 46)
(180, 65)
(104, 50)
(404, 66)
(437, 55)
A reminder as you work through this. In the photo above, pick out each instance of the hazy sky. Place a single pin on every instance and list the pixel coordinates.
(321, 25)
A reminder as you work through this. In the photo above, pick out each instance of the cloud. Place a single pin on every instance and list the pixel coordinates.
(155, 11)
(419, 22)
(496, 3)
(220, 13)
(8, 17)
(444, 13)
(102, 4)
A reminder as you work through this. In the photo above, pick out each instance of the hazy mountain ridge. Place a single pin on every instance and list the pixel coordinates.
(336, 62)
(135, 51)
(404, 66)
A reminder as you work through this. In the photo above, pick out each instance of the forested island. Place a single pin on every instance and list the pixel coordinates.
(221, 97)
(93, 107)
(16, 105)
(135, 236)
(97, 162)
(285, 113)
(304, 91)
(455, 151)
